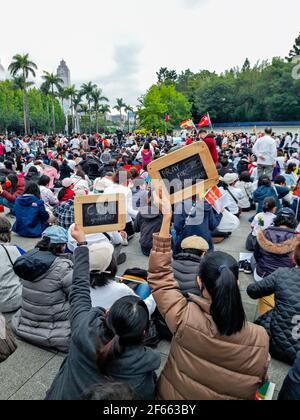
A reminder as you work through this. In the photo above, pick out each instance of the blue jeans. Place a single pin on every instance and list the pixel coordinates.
(7, 204)
(143, 291)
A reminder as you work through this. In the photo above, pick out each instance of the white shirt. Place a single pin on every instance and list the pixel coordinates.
(266, 151)
(106, 296)
(238, 194)
(267, 218)
(74, 144)
(115, 189)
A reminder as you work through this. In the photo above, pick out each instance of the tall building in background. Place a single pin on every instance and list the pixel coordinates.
(64, 73)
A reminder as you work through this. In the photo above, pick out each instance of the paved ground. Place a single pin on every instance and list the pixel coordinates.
(29, 372)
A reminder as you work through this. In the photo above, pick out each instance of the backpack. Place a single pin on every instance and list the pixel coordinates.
(29, 267)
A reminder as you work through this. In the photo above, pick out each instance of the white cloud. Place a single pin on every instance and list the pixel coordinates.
(121, 44)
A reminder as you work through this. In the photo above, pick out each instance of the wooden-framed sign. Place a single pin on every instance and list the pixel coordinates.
(185, 173)
(100, 213)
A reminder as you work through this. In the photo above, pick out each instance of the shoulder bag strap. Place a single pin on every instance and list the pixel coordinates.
(7, 253)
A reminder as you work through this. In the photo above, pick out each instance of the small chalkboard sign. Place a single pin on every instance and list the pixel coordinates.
(100, 213)
(187, 172)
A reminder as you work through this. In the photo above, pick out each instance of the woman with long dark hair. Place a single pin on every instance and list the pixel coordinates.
(215, 353)
(9, 192)
(104, 343)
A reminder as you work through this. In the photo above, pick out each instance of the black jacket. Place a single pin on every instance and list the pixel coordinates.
(136, 366)
(290, 390)
(148, 224)
(281, 322)
(186, 269)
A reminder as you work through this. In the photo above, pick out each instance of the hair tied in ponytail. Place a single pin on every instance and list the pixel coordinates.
(222, 268)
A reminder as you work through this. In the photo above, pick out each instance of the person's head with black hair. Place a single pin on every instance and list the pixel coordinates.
(44, 181)
(219, 283)
(32, 189)
(14, 180)
(5, 230)
(269, 205)
(134, 173)
(109, 391)
(291, 168)
(245, 177)
(9, 165)
(54, 240)
(147, 146)
(54, 164)
(264, 181)
(280, 180)
(286, 218)
(203, 133)
(269, 131)
(126, 324)
(98, 279)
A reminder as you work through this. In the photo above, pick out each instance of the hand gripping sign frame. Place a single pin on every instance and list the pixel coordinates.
(194, 187)
(115, 203)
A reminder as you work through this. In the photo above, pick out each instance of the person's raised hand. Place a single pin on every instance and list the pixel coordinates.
(78, 234)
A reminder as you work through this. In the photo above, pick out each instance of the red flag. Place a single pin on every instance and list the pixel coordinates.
(167, 118)
(205, 121)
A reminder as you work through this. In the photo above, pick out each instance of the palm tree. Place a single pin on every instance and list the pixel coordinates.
(20, 84)
(72, 93)
(84, 109)
(45, 89)
(119, 107)
(105, 109)
(77, 106)
(128, 109)
(98, 98)
(54, 82)
(22, 65)
(87, 90)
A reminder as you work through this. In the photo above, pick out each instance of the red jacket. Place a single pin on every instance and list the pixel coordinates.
(69, 195)
(212, 145)
(11, 197)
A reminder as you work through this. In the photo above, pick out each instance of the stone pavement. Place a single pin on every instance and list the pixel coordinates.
(30, 371)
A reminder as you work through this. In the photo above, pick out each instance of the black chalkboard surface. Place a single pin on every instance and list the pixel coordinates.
(184, 173)
(100, 214)
(191, 168)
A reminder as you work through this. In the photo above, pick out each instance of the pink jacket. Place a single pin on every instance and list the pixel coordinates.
(52, 174)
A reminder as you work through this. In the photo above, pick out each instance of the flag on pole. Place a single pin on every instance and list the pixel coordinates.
(205, 121)
(187, 125)
(167, 118)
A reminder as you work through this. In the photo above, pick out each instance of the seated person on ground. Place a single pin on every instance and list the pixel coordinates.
(284, 284)
(43, 319)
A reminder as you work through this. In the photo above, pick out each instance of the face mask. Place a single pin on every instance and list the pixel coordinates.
(7, 184)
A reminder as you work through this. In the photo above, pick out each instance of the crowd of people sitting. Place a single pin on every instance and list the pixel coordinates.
(65, 295)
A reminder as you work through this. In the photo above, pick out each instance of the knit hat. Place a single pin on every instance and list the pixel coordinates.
(195, 242)
(67, 182)
(100, 256)
(57, 235)
(229, 178)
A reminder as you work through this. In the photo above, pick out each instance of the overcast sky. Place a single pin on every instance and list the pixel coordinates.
(120, 44)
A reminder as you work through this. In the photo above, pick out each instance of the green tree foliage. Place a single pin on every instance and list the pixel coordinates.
(162, 100)
(166, 76)
(11, 110)
(264, 92)
(295, 51)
